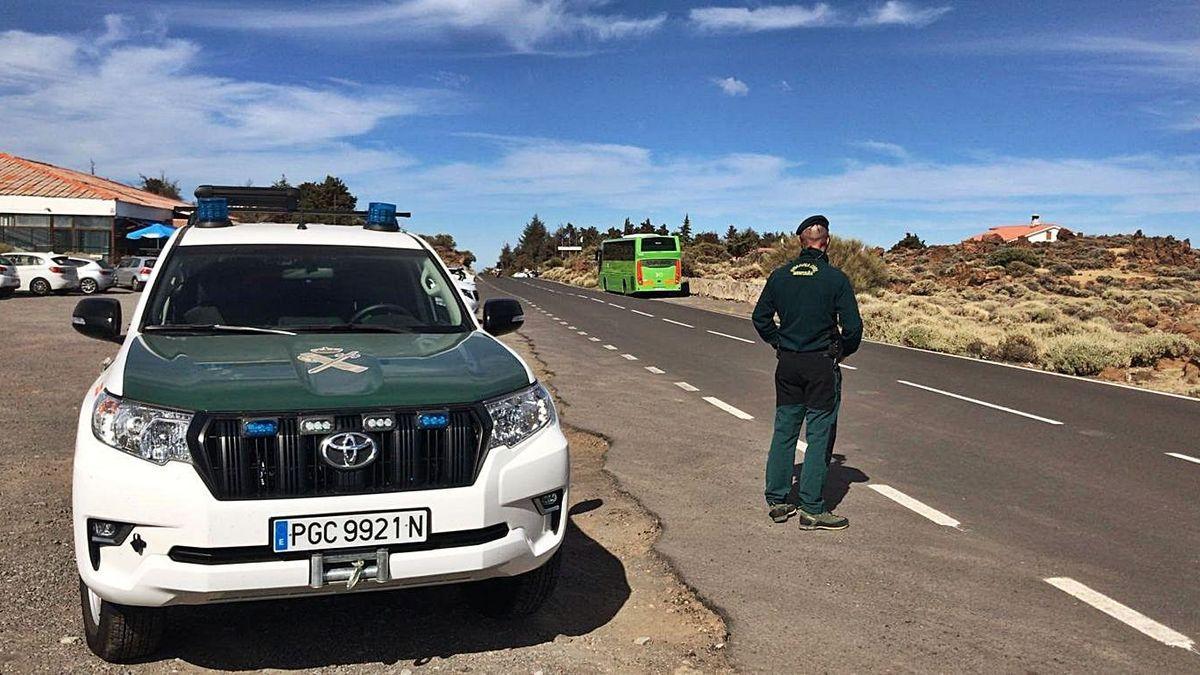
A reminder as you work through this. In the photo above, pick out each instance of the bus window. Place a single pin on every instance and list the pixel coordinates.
(652, 244)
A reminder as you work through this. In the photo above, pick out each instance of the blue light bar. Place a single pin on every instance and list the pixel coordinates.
(212, 210)
(381, 216)
(260, 428)
(433, 420)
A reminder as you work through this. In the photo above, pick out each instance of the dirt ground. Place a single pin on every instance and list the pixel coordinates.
(618, 606)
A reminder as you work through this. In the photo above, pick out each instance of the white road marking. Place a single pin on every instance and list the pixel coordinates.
(610, 348)
(731, 337)
(728, 408)
(582, 332)
(637, 311)
(685, 386)
(629, 357)
(1186, 458)
(910, 503)
(563, 322)
(960, 397)
(848, 367)
(679, 323)
(655, 370)
(613, 304)
(594, 339)
(1125, 615)
(596, 300)
(572, 327)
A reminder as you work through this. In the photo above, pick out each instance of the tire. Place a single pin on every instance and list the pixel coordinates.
(522, 595)
(119, 633)
(39, 286)
(135, 285)
(88, 286)
(6, 293)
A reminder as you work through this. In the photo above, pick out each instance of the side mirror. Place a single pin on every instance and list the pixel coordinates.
(502, 315)
(98, 318)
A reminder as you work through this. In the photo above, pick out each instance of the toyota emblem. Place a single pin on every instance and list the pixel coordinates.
(348, 450)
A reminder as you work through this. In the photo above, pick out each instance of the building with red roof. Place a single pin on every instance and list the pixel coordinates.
(1035, 231)
(49, 208)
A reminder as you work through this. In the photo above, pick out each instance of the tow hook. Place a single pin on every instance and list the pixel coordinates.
(353, 567)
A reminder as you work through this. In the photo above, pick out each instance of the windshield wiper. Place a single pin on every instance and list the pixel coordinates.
(353, 328)
(211, 328)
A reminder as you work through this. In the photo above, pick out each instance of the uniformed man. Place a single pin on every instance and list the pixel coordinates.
(811, 298)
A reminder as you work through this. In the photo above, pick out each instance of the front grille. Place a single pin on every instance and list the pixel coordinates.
(289, 463)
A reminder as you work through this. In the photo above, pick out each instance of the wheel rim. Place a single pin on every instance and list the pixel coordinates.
(89, 286)
(94, 606)
(40, 287)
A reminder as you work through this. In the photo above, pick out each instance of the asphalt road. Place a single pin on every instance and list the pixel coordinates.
(1001, 519)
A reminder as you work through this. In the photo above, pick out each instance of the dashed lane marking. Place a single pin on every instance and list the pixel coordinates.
(731, 337)
(960, 397)
(613, 304)
(1186, 458)
(596, 300)
(655, 370)
(1126, 615)
(572, 327)
(581, 332)
(848, 367)
(610, 348)
(629, 357)
(679, 323)
(728, 408)
(914, 505)
(638, 311)
(685, 386)
(594, 339)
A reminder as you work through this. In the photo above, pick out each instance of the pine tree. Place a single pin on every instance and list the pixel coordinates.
(685, 230)
(730, 234)
(330, 194)
(535, 244)
(627, 228)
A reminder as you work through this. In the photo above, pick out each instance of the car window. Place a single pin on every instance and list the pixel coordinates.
(150, 262)
(64, 260)
(6, 261)
(294, 287)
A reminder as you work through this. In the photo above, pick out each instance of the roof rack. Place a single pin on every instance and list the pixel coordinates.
(214, 203)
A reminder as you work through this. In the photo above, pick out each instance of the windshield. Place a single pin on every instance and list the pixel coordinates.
(298, 288)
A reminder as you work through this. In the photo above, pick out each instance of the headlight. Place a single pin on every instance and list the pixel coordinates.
(518, 416)
(154, 434)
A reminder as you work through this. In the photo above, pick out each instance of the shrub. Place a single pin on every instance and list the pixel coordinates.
(865, 269)
(1086, 354)
(1019, 268)
(923, 287)
(1017, 348)
(1146, 350)
(1061, 270)
(554, 262)
(1009, 254)
(909, 242)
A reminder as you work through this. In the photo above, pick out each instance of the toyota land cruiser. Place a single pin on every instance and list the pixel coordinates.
(303, 408)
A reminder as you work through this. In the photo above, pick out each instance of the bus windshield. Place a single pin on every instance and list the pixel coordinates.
(651, 244)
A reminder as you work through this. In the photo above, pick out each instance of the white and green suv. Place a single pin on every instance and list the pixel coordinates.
(308, 409)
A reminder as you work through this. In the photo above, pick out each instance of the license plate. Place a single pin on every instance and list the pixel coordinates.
(345, 530)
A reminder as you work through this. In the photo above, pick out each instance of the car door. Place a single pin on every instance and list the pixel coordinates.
(124, 275)
(26, 267)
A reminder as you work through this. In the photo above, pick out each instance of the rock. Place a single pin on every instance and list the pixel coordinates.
(1112, 374)
(68, 640)
(642, 641)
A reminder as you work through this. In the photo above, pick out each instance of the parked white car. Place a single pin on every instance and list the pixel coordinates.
(95, 276)
(42, 273)
(10, 279)
(464, 280)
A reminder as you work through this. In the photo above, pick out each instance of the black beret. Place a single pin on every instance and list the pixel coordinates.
(813, 220)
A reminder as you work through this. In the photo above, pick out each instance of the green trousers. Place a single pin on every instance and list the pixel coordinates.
(820, 429)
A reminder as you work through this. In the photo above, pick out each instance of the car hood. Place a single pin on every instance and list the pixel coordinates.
(263, 373)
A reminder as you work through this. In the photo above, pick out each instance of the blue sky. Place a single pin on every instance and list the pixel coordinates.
(941, 117)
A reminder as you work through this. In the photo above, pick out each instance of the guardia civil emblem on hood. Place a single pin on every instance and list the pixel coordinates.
(325, 358)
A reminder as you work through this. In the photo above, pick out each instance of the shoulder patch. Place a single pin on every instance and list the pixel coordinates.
(804, 269)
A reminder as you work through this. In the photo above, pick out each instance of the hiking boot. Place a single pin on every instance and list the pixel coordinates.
(781, 512)
(822, 521)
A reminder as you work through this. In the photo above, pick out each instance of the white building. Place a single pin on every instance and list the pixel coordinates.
(49, 208)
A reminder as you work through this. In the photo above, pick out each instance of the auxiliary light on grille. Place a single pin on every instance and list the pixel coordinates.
(316, 425)
(378, 422)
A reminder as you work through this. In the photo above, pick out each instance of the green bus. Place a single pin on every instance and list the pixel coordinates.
(639, 262)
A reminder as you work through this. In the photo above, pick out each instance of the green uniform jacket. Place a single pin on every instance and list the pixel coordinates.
(811, 298)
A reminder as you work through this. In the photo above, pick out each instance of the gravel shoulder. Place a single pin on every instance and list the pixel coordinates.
(618, 607)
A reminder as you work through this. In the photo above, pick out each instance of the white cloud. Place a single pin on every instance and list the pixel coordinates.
(884, 148)
(731, 86)
(786, 17)
(138, 108)
(898, 13)
(784, 85)
(771, 17)
(523, 25)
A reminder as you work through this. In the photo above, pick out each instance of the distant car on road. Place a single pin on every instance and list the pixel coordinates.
(10, 280)
(134, 271)
(95, 276)
(521, 275)
(42, 273)
(465, 282)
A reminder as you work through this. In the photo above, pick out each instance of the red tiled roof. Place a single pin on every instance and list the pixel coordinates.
(26, 177)
(1011, 232)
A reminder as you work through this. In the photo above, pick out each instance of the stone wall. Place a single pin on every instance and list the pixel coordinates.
(727, 289)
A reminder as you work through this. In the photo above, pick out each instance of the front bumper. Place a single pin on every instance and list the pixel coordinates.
(489, 529)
